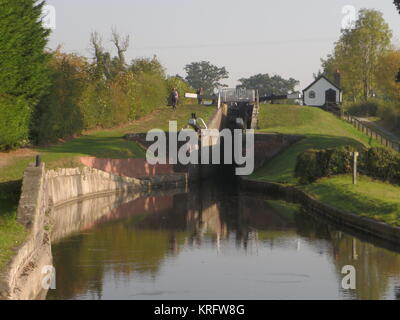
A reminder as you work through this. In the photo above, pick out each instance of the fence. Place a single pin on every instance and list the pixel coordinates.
(237, 95)
(372, 132)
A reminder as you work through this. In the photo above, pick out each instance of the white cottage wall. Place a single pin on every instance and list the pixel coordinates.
(319, 88)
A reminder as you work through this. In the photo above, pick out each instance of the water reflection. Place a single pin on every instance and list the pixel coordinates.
(211, 244)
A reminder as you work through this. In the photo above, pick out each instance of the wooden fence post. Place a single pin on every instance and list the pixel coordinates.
(355, 157)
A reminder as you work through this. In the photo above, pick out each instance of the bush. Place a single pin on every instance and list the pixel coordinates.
(307, 168)
(389, 112)
(79, 100)
(379, 163)
(14, 121)
(314, 164)
(58, 115)
(151, 93)
(364, 109)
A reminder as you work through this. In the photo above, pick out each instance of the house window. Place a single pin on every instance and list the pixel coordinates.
(311, 94)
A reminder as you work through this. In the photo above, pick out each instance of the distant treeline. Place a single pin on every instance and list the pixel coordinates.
(46, 96)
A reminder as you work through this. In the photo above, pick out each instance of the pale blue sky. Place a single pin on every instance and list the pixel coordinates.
(285, 37)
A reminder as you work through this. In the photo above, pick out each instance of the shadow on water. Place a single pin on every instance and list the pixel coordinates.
(211, 242)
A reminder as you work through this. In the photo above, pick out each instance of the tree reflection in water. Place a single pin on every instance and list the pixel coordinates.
(137, 238)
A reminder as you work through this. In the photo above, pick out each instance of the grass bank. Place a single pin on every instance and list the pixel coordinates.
(369, 198)
(98, 143)
(322, 130)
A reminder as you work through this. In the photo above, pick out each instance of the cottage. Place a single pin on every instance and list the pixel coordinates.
(323, 92)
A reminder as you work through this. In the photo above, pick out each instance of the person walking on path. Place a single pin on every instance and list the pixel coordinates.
(174, 98)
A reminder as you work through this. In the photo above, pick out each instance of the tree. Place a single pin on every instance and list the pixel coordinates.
(148, 66)
(386, 85)
(267, 85)
(23, 63)
(205, 75)
(108, 67)
(122, 45)
(397, 4)
(357, 54)
(22, 49)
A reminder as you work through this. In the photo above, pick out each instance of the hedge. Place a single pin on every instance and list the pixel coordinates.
(378, 162)
(14, 121)
(314, 164)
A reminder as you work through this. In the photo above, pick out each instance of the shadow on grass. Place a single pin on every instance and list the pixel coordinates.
(10, 193)
(281, 167)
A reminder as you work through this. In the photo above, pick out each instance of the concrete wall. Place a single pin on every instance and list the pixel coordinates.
(42, 192)
(268, 145)
(65, 185)
(134, 168)
(22, 277)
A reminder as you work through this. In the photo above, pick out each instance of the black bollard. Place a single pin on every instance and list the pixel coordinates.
(38, 161)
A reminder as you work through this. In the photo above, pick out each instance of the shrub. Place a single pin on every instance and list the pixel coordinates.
(80, 100)
(381, 163)
(151, 93)
(57, 115)
(314, 164)
(389, 112)
(364, 109)
(307, 169)
(14, 121)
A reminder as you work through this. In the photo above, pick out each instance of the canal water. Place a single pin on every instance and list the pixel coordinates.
(211, 243)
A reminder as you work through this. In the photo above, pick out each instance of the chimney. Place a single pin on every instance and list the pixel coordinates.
(337, 78)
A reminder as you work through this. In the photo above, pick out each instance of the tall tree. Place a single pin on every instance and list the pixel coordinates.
(22, 49)
(24, 76)
(205, 75)
(397, 4)
(269, 85)
(357, 54)
(122, 45)
(387, 88)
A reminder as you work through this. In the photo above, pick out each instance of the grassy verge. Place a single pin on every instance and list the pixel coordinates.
(369, 198)
(98, 143)
(322, 130)
(11, 233)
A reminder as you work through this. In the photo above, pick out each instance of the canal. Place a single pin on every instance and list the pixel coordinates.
(211, 242)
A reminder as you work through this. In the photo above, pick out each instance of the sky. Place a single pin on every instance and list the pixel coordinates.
(285, 37)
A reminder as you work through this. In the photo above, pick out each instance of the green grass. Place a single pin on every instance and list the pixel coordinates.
(98, 143)
(369, 198)
(320, 129)
(105, 143)
(11, 232)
